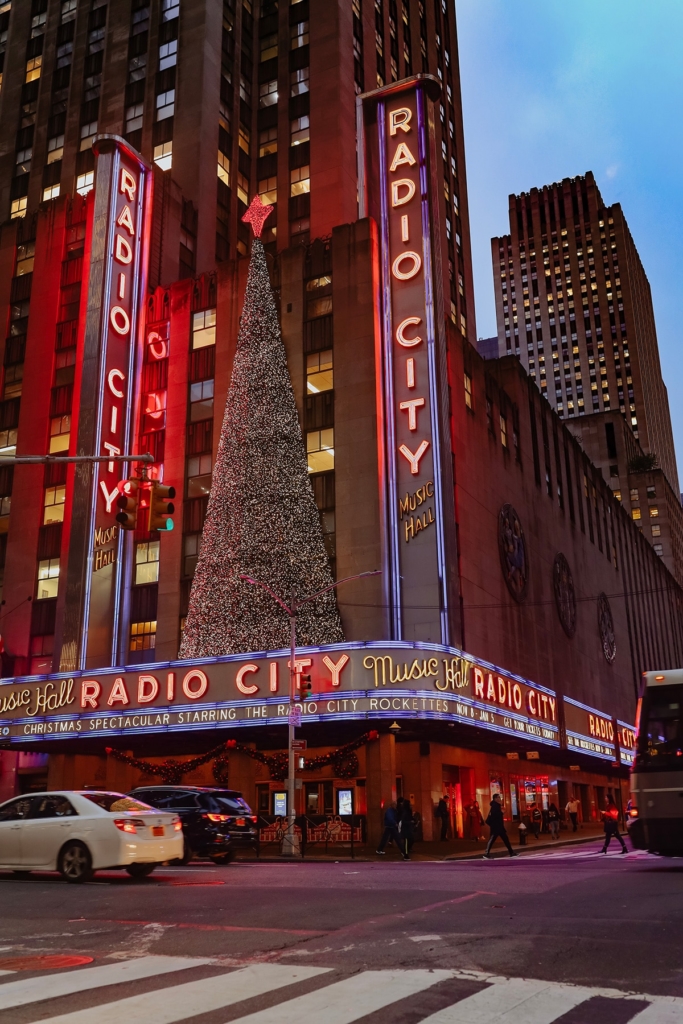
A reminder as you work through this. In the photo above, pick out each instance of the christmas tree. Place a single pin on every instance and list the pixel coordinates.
(262, 520)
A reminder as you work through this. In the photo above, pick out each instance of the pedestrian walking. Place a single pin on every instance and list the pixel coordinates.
(554, 822)
(390, 833)
(442, 814)
(536, 820)
(405, 827)
(474, 821)
(496, 824)
(610, 819)
(572, 810)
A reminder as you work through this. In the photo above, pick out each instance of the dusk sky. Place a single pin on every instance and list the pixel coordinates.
(554, 88)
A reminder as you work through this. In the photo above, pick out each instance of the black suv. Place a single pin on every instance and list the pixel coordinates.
(216, 822)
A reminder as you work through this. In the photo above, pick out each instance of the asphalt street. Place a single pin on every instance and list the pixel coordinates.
(609, 924)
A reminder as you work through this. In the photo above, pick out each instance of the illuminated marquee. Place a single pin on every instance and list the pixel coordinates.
(396, 164)
(588, 730)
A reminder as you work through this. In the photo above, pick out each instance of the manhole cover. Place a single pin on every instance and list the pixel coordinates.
(42, 963)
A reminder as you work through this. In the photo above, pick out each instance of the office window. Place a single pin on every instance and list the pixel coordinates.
(268, 47)
(300, 130)
(134, 117)
(14, 379)
(244, 139)
(88, 133)
(69, 10)
(55, 149)
(22, 160)
(33, 68)
(659, 550)
(651, 491)
(163, 155)
(50, 193)
(300, 180)
(267, 93)
(654, 512)
(633, 494)
(6, 505)
(319, 372)
(320, 449)
(168, 55)
(170, 9)
(201, 401)
(143, 636)
(48, 578)
(224, 168)
(191, 543)
(503, 431)
(18, 207)
(53, 510)
(298, 81)
(468, 391)
(204, 328)
(165, 104)
(656, 530)
(199, 469)
(242, 188)
(299, 35)
(8, 442)
(267, 142)
(267, 189)
(635, 512)
(42, 648)
(85, 182)
(60, 427)
(147, 561)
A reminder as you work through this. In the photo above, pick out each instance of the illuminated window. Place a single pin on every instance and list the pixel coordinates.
(25, 257)
(143, 636)
(267, 189)
(654, 512)
(224, 168)
(298, 35)
(55, 149)
(320, 449)
(503, 431)
(147, 561)
(48, 578)
(298, 81)
(617, 495)
(319, 372)
(300, 130)
(300, 180)
(633, 494)
(244, 139)
(53, 510)
(267, 95)
(656, 530)
(33, 68)
(468, 391)
(85, 182)
(199, 476)
(60, 427)
(51, 192)
(42, 648)
(134, 117)
(267, 142)
(8, 442)
(18, 206)
(201, 401)
(69, 10)
(242, 188)
(23, 160)
(14, 376)
(204, 328)
(268, 47)
(651, 491)
(88, 133)
(659, 549)
(5, 505)
(191, 542)
(163, 155)
(170, 9)
(96, 40)
(165, 103)
(168, 55)
(635, 512)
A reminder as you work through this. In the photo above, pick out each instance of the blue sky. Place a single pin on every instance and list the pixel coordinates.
(553, 88)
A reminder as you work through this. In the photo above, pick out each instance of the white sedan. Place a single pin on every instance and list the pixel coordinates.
(79, 832)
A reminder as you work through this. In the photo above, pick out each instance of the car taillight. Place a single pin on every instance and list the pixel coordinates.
(633, 812)
(130, 825)
(254, 818)
(178, 825)
(217, 817)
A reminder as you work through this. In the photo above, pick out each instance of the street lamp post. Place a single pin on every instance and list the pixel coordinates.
(290, 845)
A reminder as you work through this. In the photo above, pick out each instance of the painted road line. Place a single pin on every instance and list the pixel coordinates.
(52, 986)
(348, 1000)
(180, 1002)
(661, 1012)
(508, 1002)
(2, 973)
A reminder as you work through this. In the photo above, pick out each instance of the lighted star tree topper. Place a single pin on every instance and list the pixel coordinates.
(262, 520)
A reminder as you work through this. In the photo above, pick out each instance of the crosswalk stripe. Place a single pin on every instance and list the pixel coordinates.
(2, 973)
(51, 986)
(348, 1000)
(660, 1012)
(179, 1002)
(534, 1002)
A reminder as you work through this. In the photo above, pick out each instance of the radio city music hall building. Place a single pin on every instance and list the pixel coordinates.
(518, 604)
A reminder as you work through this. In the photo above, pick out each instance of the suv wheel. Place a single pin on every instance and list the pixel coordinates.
(140, 870)
(75, 863)
(224, 858)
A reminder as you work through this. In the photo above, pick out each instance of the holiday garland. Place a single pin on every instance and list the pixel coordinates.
(344, 761)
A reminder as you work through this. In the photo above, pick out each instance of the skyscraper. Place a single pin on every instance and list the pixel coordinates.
(573, 303)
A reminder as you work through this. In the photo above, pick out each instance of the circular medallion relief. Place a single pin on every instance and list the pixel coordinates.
(565, 598)
(513, 555)
(606, 629)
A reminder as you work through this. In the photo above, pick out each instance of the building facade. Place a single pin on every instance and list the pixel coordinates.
(502, 647)
(573, 303)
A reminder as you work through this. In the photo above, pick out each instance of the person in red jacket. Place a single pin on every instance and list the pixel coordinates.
(610, 818)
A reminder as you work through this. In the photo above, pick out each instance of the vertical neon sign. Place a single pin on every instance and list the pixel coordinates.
(116, 288)
(396, 158)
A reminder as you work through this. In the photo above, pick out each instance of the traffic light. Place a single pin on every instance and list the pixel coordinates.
(160, 508)
(129, 503)
(306, 686)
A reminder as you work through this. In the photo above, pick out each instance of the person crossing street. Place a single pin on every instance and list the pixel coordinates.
(496, 824)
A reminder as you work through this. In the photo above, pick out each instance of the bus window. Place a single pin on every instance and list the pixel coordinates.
(660, 740)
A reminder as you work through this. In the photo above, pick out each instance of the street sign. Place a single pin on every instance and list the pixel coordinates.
(299, 745)
(295, 714)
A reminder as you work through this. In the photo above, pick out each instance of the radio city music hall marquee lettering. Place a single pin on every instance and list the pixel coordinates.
(360, 682)
(589, 730)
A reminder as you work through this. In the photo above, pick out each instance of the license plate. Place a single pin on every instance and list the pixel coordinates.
(241, 822)
(157, 830)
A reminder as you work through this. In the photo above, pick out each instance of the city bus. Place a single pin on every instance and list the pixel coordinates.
(656, 816)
